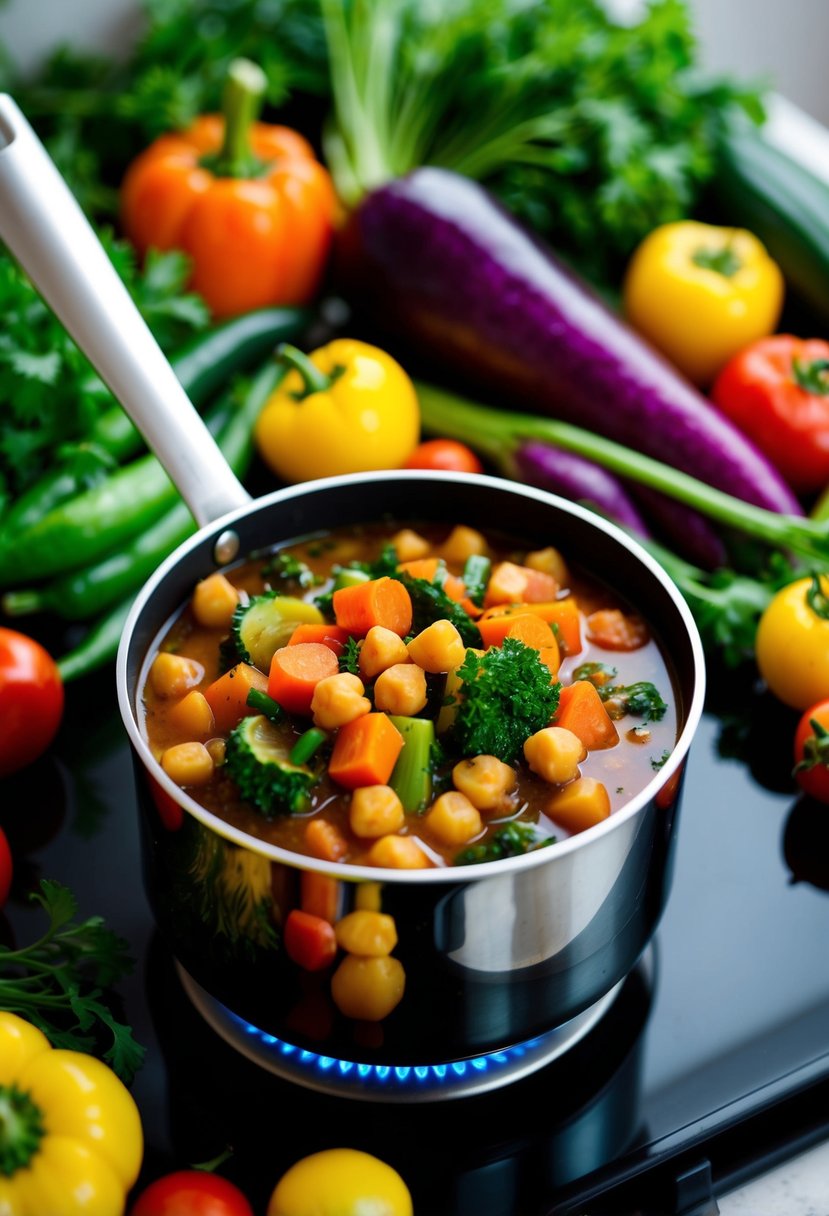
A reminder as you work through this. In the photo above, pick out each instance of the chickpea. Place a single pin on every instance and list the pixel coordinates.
(188, 763)
(555, 754)
(370, 934)
(217, 749)
(375, 811)
(485, 780)
(215, 599)
(410, 545)
(193, 717)
(381, 649)
(580, 805)
(173, 675)
(439, 647)
(461, 543)
(337, 700)
(397, 853)
(368, 988)
(401, 689)
(453, 819)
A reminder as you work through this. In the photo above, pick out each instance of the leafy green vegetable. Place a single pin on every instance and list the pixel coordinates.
(641, 699)
(505, 696)
(58, 982)
(49, 394)
(431, 603)
(349, 660)
(290, 570)
(512, 839)
(582, 125)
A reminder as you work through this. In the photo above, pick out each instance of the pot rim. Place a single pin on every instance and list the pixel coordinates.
(448, 874)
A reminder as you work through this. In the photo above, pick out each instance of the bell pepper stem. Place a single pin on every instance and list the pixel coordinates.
(244, 90)
(314, 380)
(810, 375)
(21, 1129)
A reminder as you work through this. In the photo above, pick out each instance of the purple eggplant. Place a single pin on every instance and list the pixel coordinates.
(580, 480)
(688, 532)
(435, 257)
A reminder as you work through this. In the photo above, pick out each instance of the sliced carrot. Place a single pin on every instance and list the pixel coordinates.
(381, 601)
(524, 626)
(295, 673)
(309, 940)
(422, 567)
(551, 657)
(331, 636)
(320, 894)
(228, 695)
(512, 584)
(470, 608)
(564, 614)
(615, 630)
(325, 840)
(365, 752)
(581, 710)
(455, 588)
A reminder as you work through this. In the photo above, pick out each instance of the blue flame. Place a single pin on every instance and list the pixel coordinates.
(384, 1076)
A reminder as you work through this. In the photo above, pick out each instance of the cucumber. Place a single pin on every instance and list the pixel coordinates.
(264, 624)
(761, 188)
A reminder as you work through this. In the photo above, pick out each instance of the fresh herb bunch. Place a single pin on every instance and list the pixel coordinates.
(430, 603)
(583, 126)
(506, 695)
(49, 394)
(58, 982)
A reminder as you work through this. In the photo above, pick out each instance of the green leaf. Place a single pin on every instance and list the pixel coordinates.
(57, 901)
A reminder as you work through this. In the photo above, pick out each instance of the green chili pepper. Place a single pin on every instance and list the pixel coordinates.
(84, 593)
(99, 646)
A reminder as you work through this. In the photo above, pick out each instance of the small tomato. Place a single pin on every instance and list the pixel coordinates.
(31, 700)
(191, 1193)
(811, 752)
(446, 454)
(340, 1182)
(5, 868)
(792, 643)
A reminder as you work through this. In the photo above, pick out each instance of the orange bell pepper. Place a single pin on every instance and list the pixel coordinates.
(246, 200)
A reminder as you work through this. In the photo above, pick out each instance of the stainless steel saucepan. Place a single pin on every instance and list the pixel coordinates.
(494, 954)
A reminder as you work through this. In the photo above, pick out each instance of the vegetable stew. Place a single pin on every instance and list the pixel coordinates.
(409, 697)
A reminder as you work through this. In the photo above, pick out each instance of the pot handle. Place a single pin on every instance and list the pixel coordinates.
(45, 229)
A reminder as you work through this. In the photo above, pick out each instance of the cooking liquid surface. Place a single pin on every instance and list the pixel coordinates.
(624, 769)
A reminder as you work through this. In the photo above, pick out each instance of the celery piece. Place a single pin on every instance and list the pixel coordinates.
(411, 777)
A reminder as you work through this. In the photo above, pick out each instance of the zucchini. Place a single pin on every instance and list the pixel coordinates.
(263, 625)
(759, 187)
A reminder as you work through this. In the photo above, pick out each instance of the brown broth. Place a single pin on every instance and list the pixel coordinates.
(623, 769)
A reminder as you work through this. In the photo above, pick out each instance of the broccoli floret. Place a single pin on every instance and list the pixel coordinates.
(431, 603)
(257, 760)
(506, 695)
(509, 841)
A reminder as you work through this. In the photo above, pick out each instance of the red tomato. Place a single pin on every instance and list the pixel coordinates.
(191, 1193)
(445, 454)
(811, 752)
(31, 700)
(5, 868)
(777, 392)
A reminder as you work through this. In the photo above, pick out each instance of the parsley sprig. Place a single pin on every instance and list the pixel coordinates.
(58, 982)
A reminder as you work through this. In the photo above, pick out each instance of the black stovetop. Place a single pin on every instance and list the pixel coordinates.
(713, 1060)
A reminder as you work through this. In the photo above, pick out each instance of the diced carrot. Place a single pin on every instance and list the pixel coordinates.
(325, 840)
(228, 695)
(512, 584)
(470, 608)
(365, 752)
(524, 626)
(551, 657)
(421, 567)
(615, 630)
(331, 636)
(381, 601)
(309, 940)
(581, 710)
(564, 614)
(295, 673)
(455, 588)
(320, 894)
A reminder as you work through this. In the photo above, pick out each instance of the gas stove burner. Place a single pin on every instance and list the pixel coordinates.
(387, 1082)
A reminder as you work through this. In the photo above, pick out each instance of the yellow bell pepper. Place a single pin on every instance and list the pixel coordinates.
(700, 294)
(344, 408)
(70, 1134)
